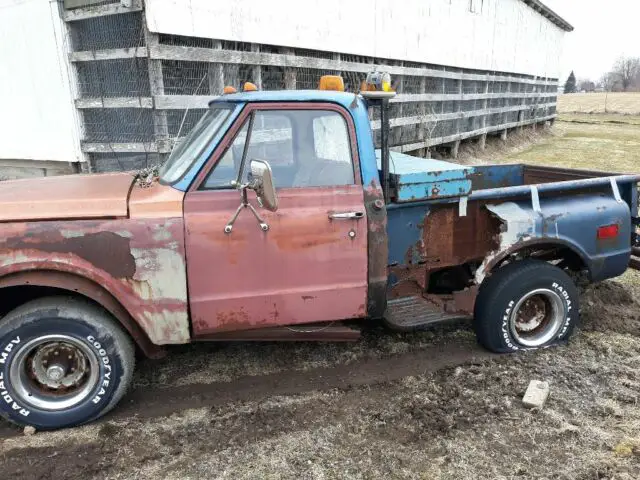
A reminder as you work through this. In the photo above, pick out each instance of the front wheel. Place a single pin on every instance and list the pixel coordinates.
(63, 362)
(528, 304)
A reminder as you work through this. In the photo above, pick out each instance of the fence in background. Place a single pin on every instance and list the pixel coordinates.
(138, 91)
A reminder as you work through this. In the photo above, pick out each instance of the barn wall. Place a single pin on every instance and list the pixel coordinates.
(465, 69)
(39, 118)
(498, 35)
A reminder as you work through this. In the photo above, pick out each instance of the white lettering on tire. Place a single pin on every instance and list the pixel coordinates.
(107, 367)
(4, 394)
(7, 349)
(567, 299)
(505, 326)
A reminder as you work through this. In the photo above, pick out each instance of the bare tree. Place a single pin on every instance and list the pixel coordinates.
(586, 85)
(428, 124)
(627, 71)
(608, 81)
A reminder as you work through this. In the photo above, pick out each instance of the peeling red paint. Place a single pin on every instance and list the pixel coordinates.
(141, 263)
(305, 268)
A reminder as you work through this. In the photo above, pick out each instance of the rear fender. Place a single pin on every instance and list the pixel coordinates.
(570, 222)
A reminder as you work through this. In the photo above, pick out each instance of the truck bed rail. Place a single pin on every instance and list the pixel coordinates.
(504, 192)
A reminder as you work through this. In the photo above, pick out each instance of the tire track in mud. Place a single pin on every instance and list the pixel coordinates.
(156, 402)
(151, 403)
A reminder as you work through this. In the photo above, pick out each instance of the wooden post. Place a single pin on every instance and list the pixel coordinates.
(160, 125)
(503, 135)
(257, 69)
(522, 112)
(397, 135)
(483, 138)
(216, 73)
(336, 57)
(456, 145)
(507, 102)
(290, 75)
(423, 113)
(455, 149)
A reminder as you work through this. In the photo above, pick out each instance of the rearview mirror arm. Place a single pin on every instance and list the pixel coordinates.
(245, 204)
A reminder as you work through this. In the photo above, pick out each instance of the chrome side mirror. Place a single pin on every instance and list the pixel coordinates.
(261, 182)
(263, 185)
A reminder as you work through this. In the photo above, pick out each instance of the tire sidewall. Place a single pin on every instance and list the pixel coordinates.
(564, 288)
(36, 325)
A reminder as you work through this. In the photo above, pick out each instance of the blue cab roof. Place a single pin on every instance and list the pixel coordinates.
(343, 98)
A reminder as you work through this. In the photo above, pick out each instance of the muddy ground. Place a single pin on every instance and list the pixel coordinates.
(431, 405)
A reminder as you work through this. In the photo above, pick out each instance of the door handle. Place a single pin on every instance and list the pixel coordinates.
(345, 215)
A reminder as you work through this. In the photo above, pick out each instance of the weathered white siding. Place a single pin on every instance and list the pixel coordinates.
(498, 35)
(38, 120)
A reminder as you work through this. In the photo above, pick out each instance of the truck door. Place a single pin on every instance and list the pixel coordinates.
(311, 264)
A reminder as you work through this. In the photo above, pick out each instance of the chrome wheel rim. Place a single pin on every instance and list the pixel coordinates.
(537, 317)
(54, 372)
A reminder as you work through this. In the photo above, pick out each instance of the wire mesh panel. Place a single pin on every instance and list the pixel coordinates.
(120, 68)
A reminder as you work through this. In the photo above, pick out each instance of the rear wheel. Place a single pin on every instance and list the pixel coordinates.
(63, 362)
(526, 305)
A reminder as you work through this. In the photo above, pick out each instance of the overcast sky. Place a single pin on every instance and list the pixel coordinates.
(604, 30)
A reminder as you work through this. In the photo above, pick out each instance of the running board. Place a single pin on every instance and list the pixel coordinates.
(317, 332)
(412, 313)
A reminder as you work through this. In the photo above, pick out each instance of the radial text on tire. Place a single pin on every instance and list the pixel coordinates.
(63, 362)
(527, 304)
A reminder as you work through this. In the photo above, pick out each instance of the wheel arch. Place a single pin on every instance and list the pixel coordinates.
(577, 259)
(36, 283)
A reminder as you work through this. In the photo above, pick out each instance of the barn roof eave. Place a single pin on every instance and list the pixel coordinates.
(545, 11)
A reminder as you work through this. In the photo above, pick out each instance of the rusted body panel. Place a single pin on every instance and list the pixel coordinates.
(140, 262)
(378, 247)
(71, 196)
(89, 289)
(305, 268)
(155, 201)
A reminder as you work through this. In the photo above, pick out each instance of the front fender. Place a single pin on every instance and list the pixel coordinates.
(139, 262)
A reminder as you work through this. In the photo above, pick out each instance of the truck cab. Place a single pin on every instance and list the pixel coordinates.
(277, 219)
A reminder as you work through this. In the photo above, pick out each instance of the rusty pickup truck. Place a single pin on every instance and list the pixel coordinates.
(276, 219)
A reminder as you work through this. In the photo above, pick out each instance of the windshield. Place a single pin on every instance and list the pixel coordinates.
(192, 146)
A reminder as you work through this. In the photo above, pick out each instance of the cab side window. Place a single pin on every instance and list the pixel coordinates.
(305, 148)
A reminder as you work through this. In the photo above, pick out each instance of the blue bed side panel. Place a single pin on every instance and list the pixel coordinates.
(496, 176)
(574, 221)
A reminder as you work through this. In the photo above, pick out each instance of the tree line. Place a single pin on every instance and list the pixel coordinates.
(623, 77)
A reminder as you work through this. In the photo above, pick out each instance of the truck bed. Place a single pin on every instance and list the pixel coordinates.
(415, 179)
(443, 215)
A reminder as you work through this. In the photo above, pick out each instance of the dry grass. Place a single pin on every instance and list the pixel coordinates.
(456, 422)
(610, 144)
(624, 103)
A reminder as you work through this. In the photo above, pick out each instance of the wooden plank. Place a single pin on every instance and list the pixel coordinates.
(200, 54)
(180, 102)
(445, 97)
(96, 147)
(109, 54)
(100, 11)
(114, 102)
(398, 122)
(464, 135)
